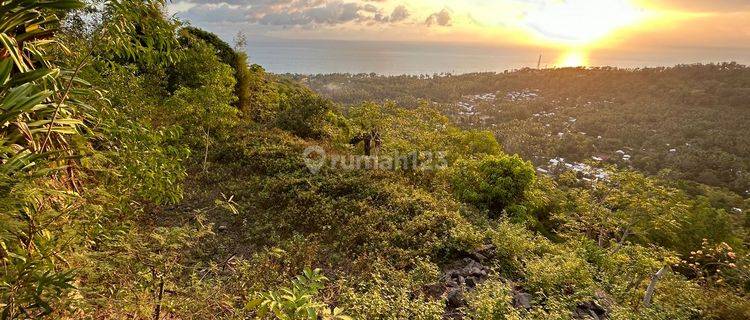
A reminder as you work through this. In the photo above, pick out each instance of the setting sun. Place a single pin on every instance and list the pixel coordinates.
(576, 25)
(581, 21)
(574, 58)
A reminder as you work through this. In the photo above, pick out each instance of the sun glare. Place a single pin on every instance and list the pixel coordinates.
(580, 21)
(574, 58)
(576, 25)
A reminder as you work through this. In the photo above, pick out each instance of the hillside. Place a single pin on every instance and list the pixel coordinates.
(684, 122)
(149, 171)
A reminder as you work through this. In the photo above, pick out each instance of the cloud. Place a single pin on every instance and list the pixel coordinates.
(330, 14)
(442, 18)
(400, 13)
(215, 13)
(706, 5)
(292, 12)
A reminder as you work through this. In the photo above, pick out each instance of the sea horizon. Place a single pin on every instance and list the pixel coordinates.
(390, 58)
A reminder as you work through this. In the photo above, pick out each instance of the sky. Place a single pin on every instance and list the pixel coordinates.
(573, 26)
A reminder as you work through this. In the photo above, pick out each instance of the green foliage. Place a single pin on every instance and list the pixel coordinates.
(305, 114)
(492, 182)
(202, 101)
(704, 222)
(233, 57)
(471, 142)
(403, 131)
(55, 169)
(136, 32)
(142, 158)
(263, 95)
(106, 212)
(492, 300)
(42, 119)
(420, 130)
(223, 51)
(146, 163)
(696, 109)
(244, 77)
(513, 244)
(34, 279)
(632, 207)
(296, 301)
(390, 294)
(356, 215)
(561, 274)
(199, 67)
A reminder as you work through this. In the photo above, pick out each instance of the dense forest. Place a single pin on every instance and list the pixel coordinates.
(148, 170)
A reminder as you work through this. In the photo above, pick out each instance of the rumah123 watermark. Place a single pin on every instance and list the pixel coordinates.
(316, 158)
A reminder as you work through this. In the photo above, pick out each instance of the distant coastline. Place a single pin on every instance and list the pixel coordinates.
(396, 58)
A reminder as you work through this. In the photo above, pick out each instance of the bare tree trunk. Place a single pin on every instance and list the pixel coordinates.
(652, 286)
(157, 309)
(621, 243)
(205, 153)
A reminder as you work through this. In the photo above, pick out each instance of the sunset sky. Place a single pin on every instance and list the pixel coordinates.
(573, 26)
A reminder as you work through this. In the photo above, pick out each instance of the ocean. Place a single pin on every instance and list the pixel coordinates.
(395, 58)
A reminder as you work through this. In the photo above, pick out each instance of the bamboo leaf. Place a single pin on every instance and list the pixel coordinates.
(62, 4)
(32, 76)
(12, 49)
(6, 66)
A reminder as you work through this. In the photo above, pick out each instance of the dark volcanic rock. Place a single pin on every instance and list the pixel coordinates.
(521, 300)
(463, 275)
(465, 269)
(470, 282)
(590, 310)
(434, 290)
(455, 299)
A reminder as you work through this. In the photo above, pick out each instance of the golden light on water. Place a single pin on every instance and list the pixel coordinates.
(573, 58)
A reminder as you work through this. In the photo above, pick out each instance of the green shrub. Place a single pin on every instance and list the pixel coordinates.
(389, 294)
(514, 244)
(305, 114)
(492, 182)
(249, 87)
(561, 274)
(296, 301)
(492, 299)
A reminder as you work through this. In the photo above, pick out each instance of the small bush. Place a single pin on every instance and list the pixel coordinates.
(305, 114)
(563, 274)
(492, 182)
(492, 300)
(389, 294)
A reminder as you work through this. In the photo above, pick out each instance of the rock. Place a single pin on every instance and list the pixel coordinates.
(455, 299)
(470, 282)
(464, 274)
(434, 290)
(464, 269)
(479, 257)
(479, 273)
(222, 228)
(604, 300)
(521, 300)
(590, 310)
(452, 283)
